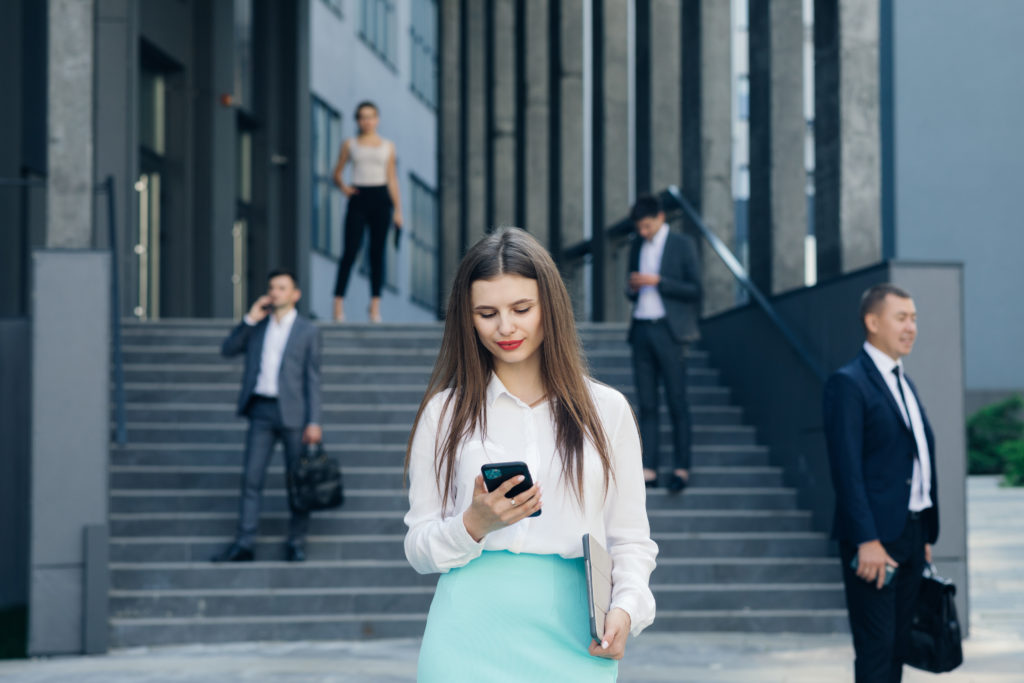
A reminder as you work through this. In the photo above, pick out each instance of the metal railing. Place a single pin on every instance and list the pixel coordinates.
(106, 187)
(577, 253)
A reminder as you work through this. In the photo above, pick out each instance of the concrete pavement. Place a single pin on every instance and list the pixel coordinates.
(993, 654)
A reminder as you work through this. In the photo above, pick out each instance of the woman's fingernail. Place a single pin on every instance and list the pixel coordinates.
(604, 644)
(520, 478)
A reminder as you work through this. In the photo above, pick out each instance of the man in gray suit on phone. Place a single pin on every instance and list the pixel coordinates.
(664, 286)
(281, 397)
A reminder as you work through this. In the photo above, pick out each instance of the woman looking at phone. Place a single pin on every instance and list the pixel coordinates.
(371, 197)
(511, 384)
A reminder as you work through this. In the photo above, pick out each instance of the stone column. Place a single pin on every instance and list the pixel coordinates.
(70, 125)
(502, 117)
(666, 75)
(478, 222)
(847, 135)
(716, 203)
(449, 144)
(537, 121)
(612, 127)
(778, 204)
(570, 123)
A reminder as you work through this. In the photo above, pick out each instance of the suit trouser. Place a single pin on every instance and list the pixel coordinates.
(265, 428)
(880, 620)
(657, 355)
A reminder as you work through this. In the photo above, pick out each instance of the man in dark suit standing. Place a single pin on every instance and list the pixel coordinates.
(664, 285)
(281, 397)
(882, 454)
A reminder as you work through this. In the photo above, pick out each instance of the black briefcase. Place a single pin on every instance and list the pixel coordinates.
(935, 632)
(315, 482)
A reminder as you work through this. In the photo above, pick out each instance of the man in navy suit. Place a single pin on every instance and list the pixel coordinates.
(882, 454)
(281, 397)
(664, 286)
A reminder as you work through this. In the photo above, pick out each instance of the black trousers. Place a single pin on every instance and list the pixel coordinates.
(657, 356)
(369, 207)
(265, 428)
(880, 619)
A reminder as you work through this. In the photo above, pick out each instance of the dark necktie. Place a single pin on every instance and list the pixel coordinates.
(903, 397)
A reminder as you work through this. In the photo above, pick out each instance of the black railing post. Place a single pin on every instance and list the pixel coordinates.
(115, 316)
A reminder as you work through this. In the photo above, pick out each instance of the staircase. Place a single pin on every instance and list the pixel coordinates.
(736, 553)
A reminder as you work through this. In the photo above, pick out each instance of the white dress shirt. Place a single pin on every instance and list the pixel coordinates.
(437, 539)
(921, 482)
(273, 350)
(648, 301)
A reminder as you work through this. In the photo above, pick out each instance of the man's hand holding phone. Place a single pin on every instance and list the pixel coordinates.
(491, 510)
(872, 561)
(261, 308)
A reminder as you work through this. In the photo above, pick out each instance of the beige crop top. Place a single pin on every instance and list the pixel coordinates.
(370, 164)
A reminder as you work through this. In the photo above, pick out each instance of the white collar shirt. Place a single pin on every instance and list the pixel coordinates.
(649, 305)
(437, 539)
(274, 342)
(921, 481)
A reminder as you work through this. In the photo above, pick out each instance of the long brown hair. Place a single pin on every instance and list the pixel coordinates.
(464, 365)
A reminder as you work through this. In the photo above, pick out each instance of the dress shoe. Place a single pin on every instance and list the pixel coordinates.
(676, 484)
(295, 553)
(235, 553)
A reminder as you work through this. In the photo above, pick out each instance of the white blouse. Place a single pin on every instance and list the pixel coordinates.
(370, 163)
(437, 539)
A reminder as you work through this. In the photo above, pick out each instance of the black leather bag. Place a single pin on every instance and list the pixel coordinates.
(315, 482)
(935, 632)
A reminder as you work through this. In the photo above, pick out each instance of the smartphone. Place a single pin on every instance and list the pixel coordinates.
(890, 571)
(497, 473)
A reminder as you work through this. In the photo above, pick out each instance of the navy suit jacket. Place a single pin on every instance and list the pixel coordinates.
(871, 451)
(679, 287)
(298, 381)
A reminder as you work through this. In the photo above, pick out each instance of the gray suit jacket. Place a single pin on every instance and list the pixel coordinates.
(298, 381)
(679, 288)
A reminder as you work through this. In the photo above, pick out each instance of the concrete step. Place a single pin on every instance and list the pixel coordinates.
(274, 499)
(372, 455)
(360, 478)
(342, 522)
(226, 393)
(743, 596)
(234, 432)
(362, 546)
(753, 621)
(361, 413)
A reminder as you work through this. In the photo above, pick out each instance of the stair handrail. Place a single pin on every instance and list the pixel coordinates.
(740, 273)
(120, 435)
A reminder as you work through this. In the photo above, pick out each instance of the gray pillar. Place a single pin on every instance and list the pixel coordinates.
(847, 135)
(778, 203)
(70, 125)
(665, 100)
(475, 153)
(612, 186)
(716, 148)
(449, 144)
(503, 113)
(537, 120)
(570, 124)
(117, 61)
(70, 438)
(937, 368)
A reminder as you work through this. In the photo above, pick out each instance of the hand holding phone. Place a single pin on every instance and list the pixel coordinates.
(496, 474)
(890, 571)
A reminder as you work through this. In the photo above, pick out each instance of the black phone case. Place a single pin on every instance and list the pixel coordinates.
(508, 470)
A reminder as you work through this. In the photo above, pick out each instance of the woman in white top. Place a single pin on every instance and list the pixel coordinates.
(510, 384)
(372, 195)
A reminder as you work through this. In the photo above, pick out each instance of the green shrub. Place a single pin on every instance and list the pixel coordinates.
(1012, 453)
(990, 428)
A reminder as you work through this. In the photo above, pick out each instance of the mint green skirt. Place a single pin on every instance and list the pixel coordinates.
(507, 617)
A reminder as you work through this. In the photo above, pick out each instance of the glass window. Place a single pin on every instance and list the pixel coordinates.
(326, 200)
(424, 244)
(377, 28)
(152, 111)
(243, 94)
(423, 34)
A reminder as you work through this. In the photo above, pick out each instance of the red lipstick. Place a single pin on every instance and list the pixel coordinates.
(510, 345)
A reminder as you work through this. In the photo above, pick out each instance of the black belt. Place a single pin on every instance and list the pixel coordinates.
(261, 397)
(916, 514)
(649, 321)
